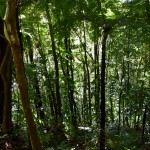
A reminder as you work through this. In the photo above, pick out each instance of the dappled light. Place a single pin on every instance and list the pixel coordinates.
(75, 75)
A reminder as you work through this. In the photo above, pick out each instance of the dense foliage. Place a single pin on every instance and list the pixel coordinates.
(88, 75)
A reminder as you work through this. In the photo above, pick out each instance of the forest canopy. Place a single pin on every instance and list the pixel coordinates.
(75, 74)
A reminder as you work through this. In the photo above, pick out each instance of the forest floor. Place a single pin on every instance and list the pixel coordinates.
(128, 140)
(12, 142)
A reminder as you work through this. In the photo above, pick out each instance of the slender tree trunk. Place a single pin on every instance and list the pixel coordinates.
(5, 72)
(120, 97)
(58, 98)
(70, 81)
(97, 80)
(111, 110)
(50, 86)
(10, 22)
(59, 126)
(103, 100)
(3, 46)
(111, 104)
(35, 82)
(1, 100)
(6, 76)
(147, 7)
(74, 119)
(88, 78)
(85, 99)
(144, 121)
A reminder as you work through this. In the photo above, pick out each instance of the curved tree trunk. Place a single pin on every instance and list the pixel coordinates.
(10, 22)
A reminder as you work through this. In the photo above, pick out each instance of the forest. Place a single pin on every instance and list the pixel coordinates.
(75, 74)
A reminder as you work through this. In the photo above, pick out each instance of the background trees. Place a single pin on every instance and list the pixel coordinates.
(87, 65)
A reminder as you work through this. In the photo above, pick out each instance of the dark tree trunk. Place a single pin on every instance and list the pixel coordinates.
(59, 126)
(1, 100)
(58, 98)
(50, 86)
(88, 78)
(6, 74)
(120, 97)
(147, 6)
(5, 79)
(103, 100)
(144, 122)
(3, 46)
(38, 100)
(97, 79)
(70, 81)
(85, 99)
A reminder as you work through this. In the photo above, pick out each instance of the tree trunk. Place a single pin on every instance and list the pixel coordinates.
(88, 78)
(144, 121)
(70, 81)
(10, 22)
(58, 98)
(3, 46)
(35, 82)
(74, 117)
(147, 7)
(5, 82)
(120, 97)
(6, 74)
(59, 126)
(50, 86)
(103, 101)
(97, 79)
(1, 100)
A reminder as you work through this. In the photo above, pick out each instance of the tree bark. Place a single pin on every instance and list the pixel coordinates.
(6, 74)
(120, 96)
(57, 86)
(5, 82)
(97, 78)
(144, 121)
(70, 82)
(10, 22)
(50, 86)
(103, 100)
(38, 101)
(3, 45)
(88, 78)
